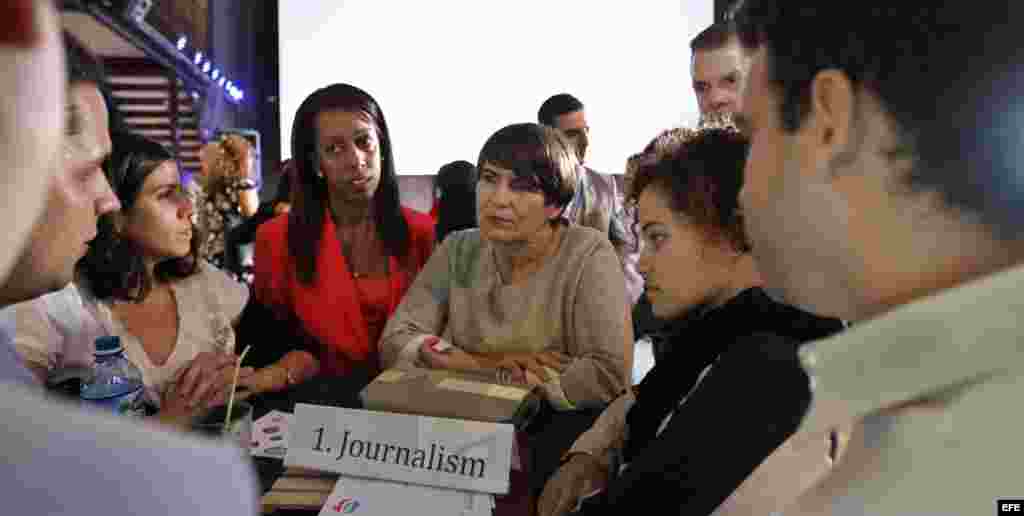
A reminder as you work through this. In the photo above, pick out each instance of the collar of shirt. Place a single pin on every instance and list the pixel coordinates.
(917, 351)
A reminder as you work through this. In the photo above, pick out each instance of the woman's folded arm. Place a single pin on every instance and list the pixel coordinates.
(602, 343)
(422, 313)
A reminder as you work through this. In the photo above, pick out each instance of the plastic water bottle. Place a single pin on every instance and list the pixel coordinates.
(116, 384)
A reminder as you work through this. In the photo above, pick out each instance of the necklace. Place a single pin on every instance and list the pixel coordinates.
(362, 249)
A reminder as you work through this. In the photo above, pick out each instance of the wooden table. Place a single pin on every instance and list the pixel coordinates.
(297, 491)
(306, 492)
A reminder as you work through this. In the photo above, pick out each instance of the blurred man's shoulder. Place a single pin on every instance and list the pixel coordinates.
(65, 457)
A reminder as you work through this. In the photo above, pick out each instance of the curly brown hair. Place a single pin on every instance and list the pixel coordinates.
(701, 175)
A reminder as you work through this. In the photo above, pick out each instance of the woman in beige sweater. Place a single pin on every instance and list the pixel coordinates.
(526, 292)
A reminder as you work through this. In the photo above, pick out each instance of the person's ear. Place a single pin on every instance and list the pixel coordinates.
(832, 120)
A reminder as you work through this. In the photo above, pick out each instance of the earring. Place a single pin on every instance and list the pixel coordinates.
(110, 251)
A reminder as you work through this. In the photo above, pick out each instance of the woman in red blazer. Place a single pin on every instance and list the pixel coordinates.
(341, 260)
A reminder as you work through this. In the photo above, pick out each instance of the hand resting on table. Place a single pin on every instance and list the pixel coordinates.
(201, 385)
(529, 368)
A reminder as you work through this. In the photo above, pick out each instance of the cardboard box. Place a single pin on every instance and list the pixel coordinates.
(451, 394)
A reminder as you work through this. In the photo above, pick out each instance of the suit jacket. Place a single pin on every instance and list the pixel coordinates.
(725, 421)
(328, 309)
(597, 204)
(933, 392)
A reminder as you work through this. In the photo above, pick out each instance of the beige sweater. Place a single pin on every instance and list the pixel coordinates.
(575, 304)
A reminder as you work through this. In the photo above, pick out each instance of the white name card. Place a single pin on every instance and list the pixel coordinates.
(366, 497)
(441, 452)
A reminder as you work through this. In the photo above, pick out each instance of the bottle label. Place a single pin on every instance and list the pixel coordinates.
(120, 401)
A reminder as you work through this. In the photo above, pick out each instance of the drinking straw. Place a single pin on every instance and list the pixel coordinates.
(234, 384)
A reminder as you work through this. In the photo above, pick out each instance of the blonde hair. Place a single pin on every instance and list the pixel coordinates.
(223, 161)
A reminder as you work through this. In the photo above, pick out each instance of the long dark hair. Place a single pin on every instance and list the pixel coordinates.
(113, 266)
(306, 219)
(284, 184)
(457, 204)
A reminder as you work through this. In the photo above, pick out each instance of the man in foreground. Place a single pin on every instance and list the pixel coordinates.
(883, 187)
(59, 459)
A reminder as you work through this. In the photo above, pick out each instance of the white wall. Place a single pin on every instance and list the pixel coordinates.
(448, 73)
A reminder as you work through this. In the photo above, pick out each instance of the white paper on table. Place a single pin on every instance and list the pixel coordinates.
(373, 497)
(270, 435)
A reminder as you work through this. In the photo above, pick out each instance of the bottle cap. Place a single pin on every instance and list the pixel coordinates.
(108, 345)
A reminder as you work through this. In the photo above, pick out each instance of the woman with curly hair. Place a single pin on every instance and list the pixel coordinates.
(229, 194)
(730, 388)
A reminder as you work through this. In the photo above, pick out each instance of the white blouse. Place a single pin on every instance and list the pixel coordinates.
(59, 330)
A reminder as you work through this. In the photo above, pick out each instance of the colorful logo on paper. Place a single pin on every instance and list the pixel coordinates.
(346, 506)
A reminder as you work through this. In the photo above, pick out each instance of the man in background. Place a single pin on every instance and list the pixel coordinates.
(597, 203)
(719, 66)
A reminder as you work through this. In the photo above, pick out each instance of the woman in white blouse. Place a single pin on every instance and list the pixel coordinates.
(141, 280)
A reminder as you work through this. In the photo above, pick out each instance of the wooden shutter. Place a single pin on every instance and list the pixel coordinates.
(153, 103)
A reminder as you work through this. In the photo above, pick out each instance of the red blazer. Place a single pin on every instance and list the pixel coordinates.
(435, 210)
(327, 309)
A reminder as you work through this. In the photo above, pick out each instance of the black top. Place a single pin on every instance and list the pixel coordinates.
(751, 400)
(270, 335)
